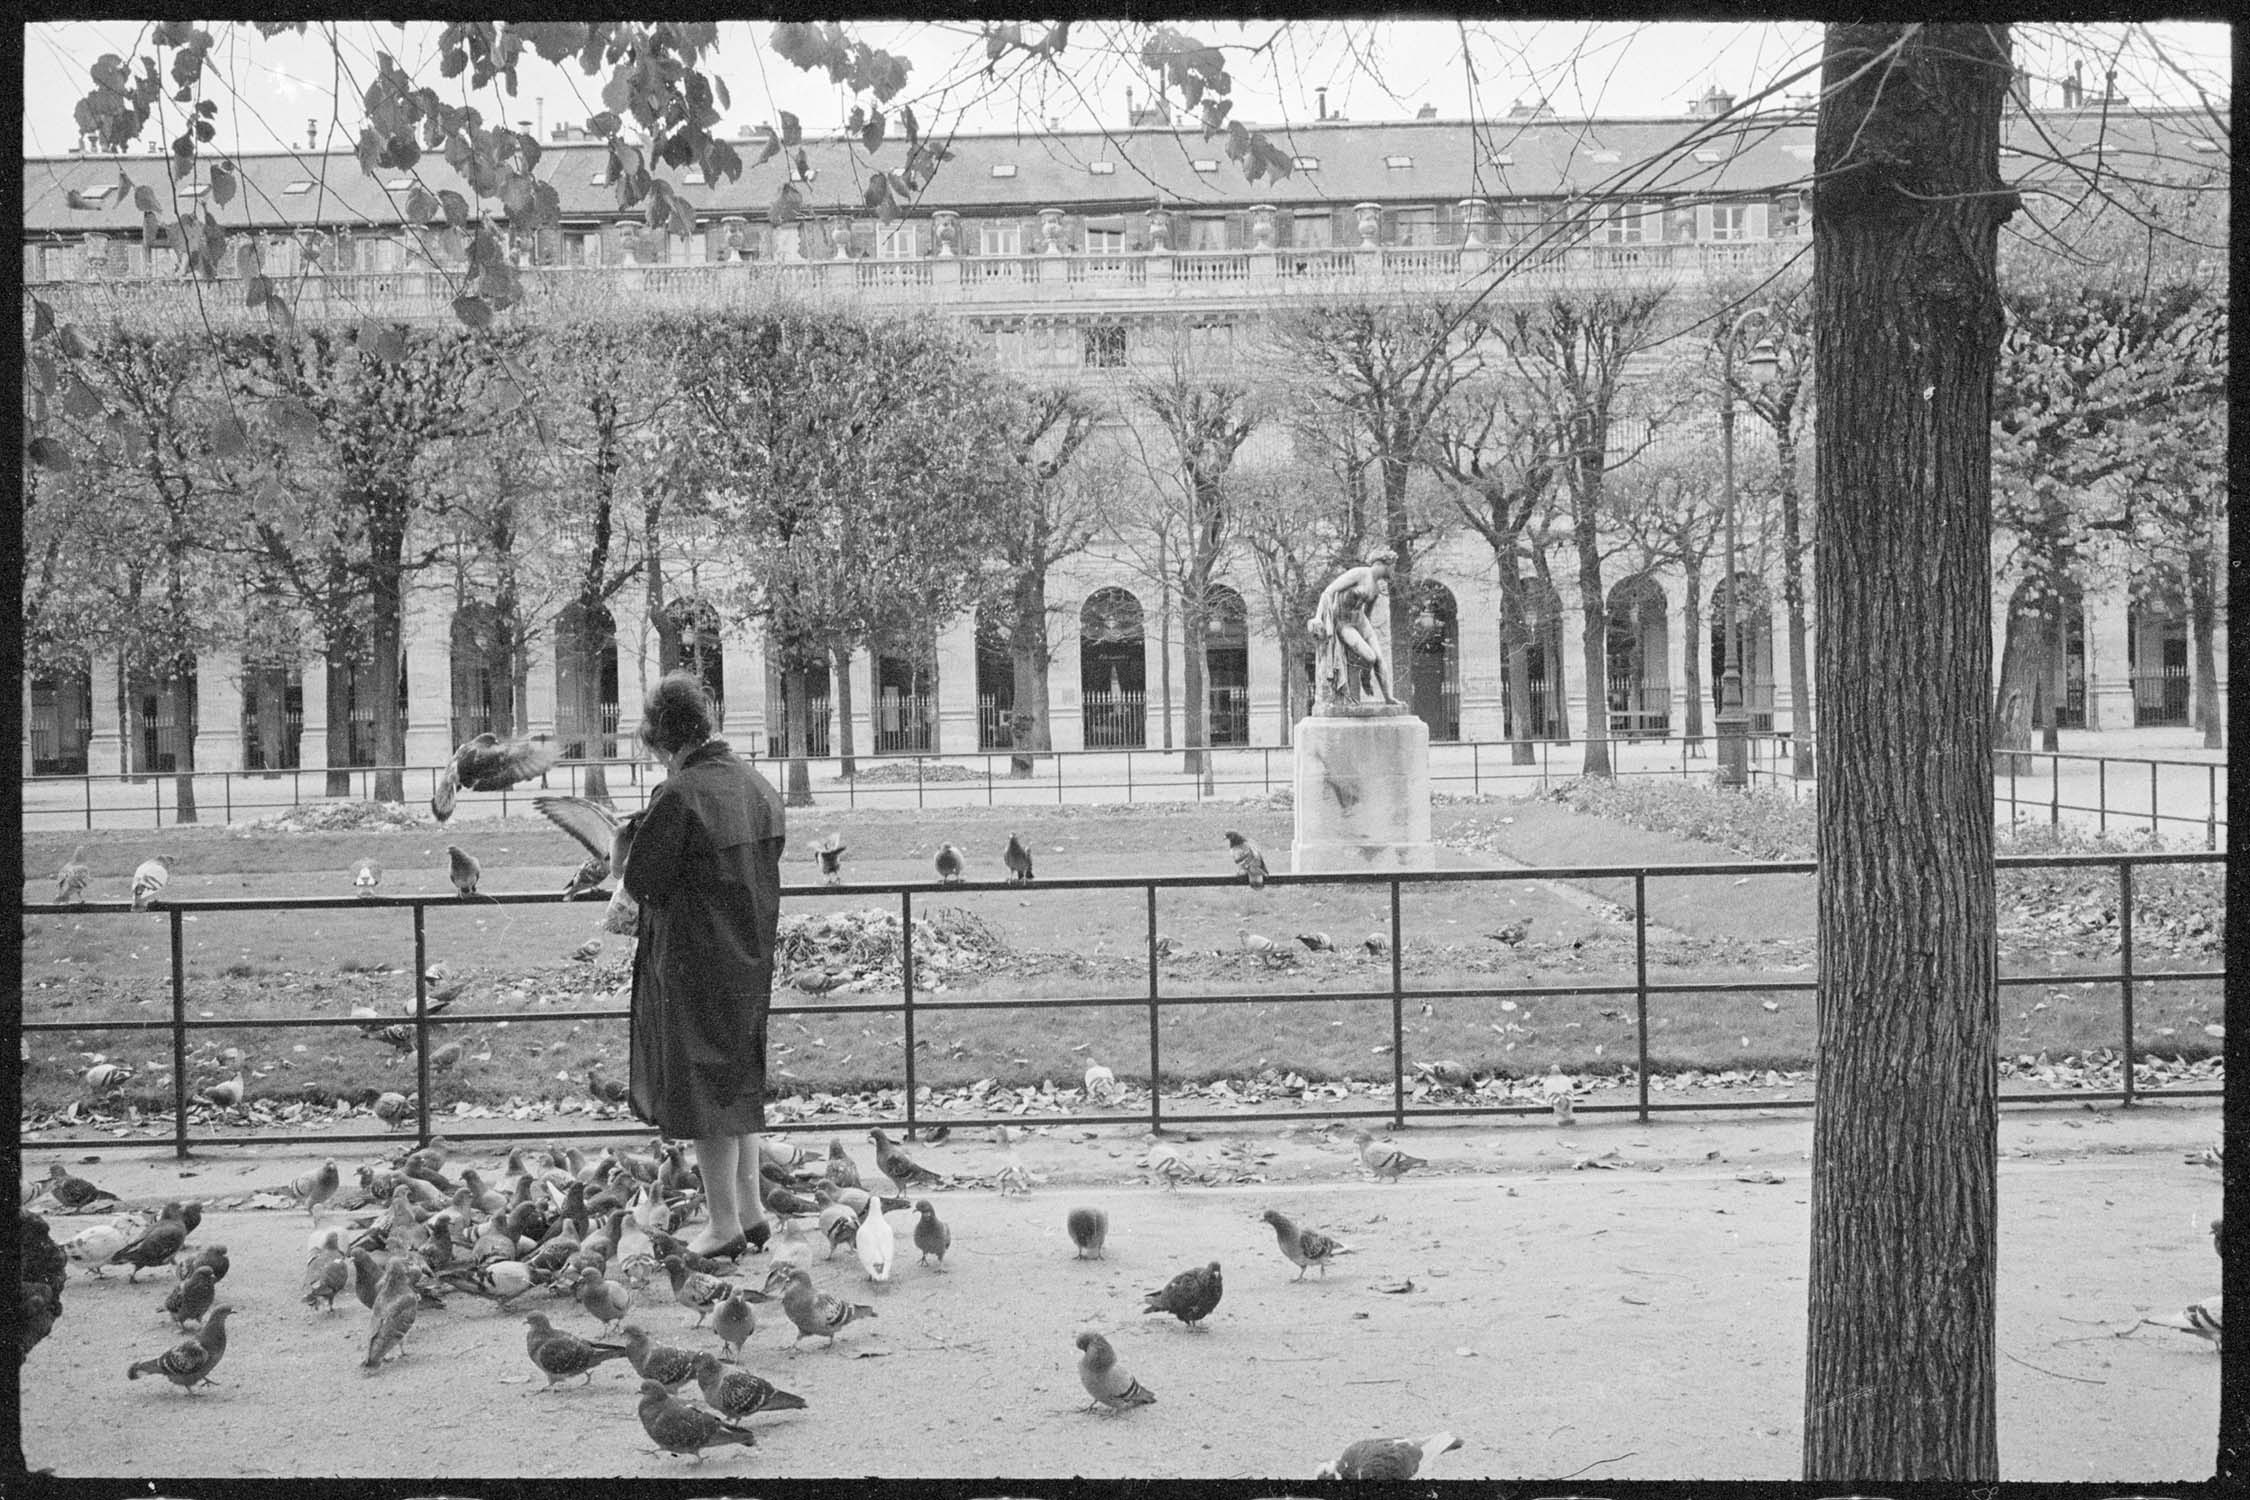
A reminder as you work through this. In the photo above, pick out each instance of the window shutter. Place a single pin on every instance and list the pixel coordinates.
(1449, 223)
(1758, 222)
(1238, 230)
(1652, 223)
(1703, 223)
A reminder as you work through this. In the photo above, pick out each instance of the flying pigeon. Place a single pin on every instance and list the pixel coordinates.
(1017, 858)
(1189, 1296)
(949, 865)
(595, 828)
(1105, 1380)
(1386, 1458)
(931, 1237)
(738, 1393)
(149, 879)
(70, 880)
(189, 1363)
(366, 876)
(486, 764)
(464, 869)
(1088, 1228)
(1303, 1247)
(676, 1427)
(1247, 859)
(1384, 1159)
(830, 852)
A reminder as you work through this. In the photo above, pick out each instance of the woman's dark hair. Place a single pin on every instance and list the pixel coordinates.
(679, 714)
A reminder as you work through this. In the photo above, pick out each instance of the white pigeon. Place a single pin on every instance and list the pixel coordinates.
(149, 879)
(1101, 1084)
(875, 1243)
(92, 1246)
(1166, 1164)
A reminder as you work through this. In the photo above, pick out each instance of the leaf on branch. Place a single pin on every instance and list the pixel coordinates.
(771, 149)
(787, 204)
(791, 131)
(51, 454)
(383, 342)
(473, 311)
(42, 319)
(871, 135)
(228, 439)
(144, 199)
(455, 207)
(256, 290)
(617, 94)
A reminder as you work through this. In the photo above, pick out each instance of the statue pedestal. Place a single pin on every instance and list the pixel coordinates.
(1363, 793)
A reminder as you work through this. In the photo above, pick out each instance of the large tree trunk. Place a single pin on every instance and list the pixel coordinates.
(1899, 1367)
(1193, 619)
(1029, 727)
(184, 720)
(2026, 668)
(797, 788)
(386, 642)
(1593, 640)
(840, 690)
(1793, 597)
(2203, 629)
(1515, 652)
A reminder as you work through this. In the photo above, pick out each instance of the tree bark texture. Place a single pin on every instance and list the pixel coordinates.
(2203, 629)
(1029, 654)
(840, 675)
(341, 653)
(796, 723)
(1900, 1349)
(1593, 641)
(1691, 662)
(1793, 597)
(1515, 651)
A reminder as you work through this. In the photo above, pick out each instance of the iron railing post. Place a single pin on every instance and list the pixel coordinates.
(421, 1029)
(1058, 780)
(2011, 791)
(174, 916)
(1640, 979)
(2054, 791)
(226, 790)
(2155, 818)
(1476, 770)
(989, 794)
(2101, 792)
(2210, 807)
(88, 783)
(1155, 1121)
(1398, 1018)
(918, 802)
(2125, 964)
(906, 982)
(1128, 778)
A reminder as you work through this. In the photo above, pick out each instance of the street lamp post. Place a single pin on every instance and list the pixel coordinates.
(1734, 720)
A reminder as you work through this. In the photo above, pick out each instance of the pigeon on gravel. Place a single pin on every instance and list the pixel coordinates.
(899, 1167)
(212, 1256)
(562, 1355)
(1247, 859)
(931, 1237)
(676, 1427)
(1382, 1459)
(463, 869)
(875, 1244)
(70, 880)
(1512, 933)
(150, 877)
(397, 1304)
(1383, 1158)
(318, 1187)
(487, 764)
(830, 852)
(840, 1168)
(192, 1298)
(190, 1362)
(1376, 944)
(816, 1312)
(1189, 1296)
(607, 1300)
(1304, 1247)
(1108, 1382)
(950, 866)
(366, 877)
(734, 1323)
(666, 1364)
(75, 1193)
(1017, 858)
(738, 1393)
(1089, 1227)
(155, 1245)
(327, 1272)
(695, 1290)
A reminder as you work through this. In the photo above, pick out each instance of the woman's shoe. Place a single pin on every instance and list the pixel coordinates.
(729, 1250)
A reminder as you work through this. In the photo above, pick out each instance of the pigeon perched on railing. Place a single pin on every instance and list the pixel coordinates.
(595, 828)
(71, 879)
(1247, 859)
(1017, 858)
(464, 871)
(366, 876)
(950, 866)
(150, 877)
(830, 852)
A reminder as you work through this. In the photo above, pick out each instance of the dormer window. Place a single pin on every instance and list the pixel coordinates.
(298, 188)
(691, 174)
(1501, 159)
(1398, 163)
(1606, 158)
(1707, 156)
(600, 177)
(400, 184)
(1305, 163)
(2201, 143)
(1102, 168)
(193, 189)
(95, 197)
(1205, 164)
(1003, 169)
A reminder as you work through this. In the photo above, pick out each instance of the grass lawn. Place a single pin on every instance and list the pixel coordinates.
(1033, 943)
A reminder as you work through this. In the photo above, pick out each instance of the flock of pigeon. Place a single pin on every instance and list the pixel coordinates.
(604, 1233)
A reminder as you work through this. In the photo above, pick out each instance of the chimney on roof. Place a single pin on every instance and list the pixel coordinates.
(2073, 87)
(1537, 109)
(2109, 89)
(1426, 112)
(1320, 96)
(1715, 102)
(312, 135)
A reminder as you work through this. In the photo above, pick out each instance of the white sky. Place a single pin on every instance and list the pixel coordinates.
(1373, 70)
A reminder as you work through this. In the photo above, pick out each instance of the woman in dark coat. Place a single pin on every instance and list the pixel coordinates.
(704, 862)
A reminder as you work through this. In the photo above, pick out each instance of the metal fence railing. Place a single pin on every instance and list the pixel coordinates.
(2166, 797)
(2127, 977)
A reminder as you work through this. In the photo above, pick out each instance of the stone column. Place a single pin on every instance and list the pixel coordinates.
(539, 684)
(2109, 683)
(105, 740)
(743, 646)
(26, 698)
(312, 743)
(218, 711)
(428, 645)
(1265, 265)
(956, 644)
(1483, 671)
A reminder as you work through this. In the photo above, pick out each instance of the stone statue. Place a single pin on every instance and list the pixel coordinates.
(1353, 663)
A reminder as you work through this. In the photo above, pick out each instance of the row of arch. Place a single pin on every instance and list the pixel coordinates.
(1113, 679)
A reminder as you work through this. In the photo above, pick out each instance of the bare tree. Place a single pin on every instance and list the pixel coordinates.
(1054, 513)
(1671, 509)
